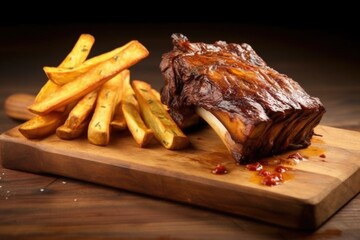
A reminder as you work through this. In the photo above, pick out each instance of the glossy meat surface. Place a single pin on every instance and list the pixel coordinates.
(265, 112)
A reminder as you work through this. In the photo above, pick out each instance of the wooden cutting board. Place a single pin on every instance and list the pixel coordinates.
(316, 188)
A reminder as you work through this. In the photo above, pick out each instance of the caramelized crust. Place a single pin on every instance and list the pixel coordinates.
(264, 111)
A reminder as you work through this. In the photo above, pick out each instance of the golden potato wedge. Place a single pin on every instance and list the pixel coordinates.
(78, 118)
(42, 126)
(189, 122)
(92, 79)
(158, 96)
(140, 132)
(157, 118)
(99, 126)
(82, 110)
(76, 56)
(67, 133)
(130, 108)
(62, 75)
(118, 122)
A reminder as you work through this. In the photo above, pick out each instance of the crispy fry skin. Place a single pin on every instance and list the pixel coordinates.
(42, 126)
(77, 55)
(99, 127)
(130, 108)
(65, 132)
(92, 79)
(62, 75)
(78, 117)
(118, 122)
(157, 118)
(38, 126)
(82, 110)
(158, 96)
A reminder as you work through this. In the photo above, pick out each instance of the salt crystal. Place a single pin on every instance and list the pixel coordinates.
(41, 189)
(63, 182)
(75, 200)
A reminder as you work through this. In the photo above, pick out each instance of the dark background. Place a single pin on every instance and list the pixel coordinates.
(318, 47)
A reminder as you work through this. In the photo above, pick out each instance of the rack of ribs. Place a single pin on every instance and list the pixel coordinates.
(255, 110)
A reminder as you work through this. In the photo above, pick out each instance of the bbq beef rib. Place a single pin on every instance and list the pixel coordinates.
(256, 110)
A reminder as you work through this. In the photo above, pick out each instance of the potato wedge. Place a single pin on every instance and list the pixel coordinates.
(140, 132)
(118, 122)
(99, 126)
(82, 110)
(78, 118)
(67, 133)
(189, 122)
(42, 126)
(77, 55)
(92, 79)
(130, 108)
(157, 118)
(62, 75)
(158, 96)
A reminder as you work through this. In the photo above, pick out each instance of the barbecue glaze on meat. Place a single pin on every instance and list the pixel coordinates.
(264, 112)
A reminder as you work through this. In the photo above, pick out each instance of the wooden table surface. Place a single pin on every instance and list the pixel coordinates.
(35, 206)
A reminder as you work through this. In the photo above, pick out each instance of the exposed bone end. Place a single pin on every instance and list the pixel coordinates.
(234, 148)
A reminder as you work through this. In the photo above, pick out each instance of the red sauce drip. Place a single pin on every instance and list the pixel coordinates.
(281, 169)
(254, 166)
(264, 173)
(219, 169)
(273, 179)
(322, 156)
(296, 156)
(270, 175)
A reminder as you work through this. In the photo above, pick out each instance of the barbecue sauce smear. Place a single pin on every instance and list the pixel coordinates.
(270, 175)
(276, 170)
(272, 172)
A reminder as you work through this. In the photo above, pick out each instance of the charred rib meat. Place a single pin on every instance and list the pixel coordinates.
(256, 110)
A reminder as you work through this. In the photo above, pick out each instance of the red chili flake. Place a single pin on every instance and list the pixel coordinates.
(264, 173)
(219, 169)
(322, 155)
(254, 166)
(281, 169)
(273, 179)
